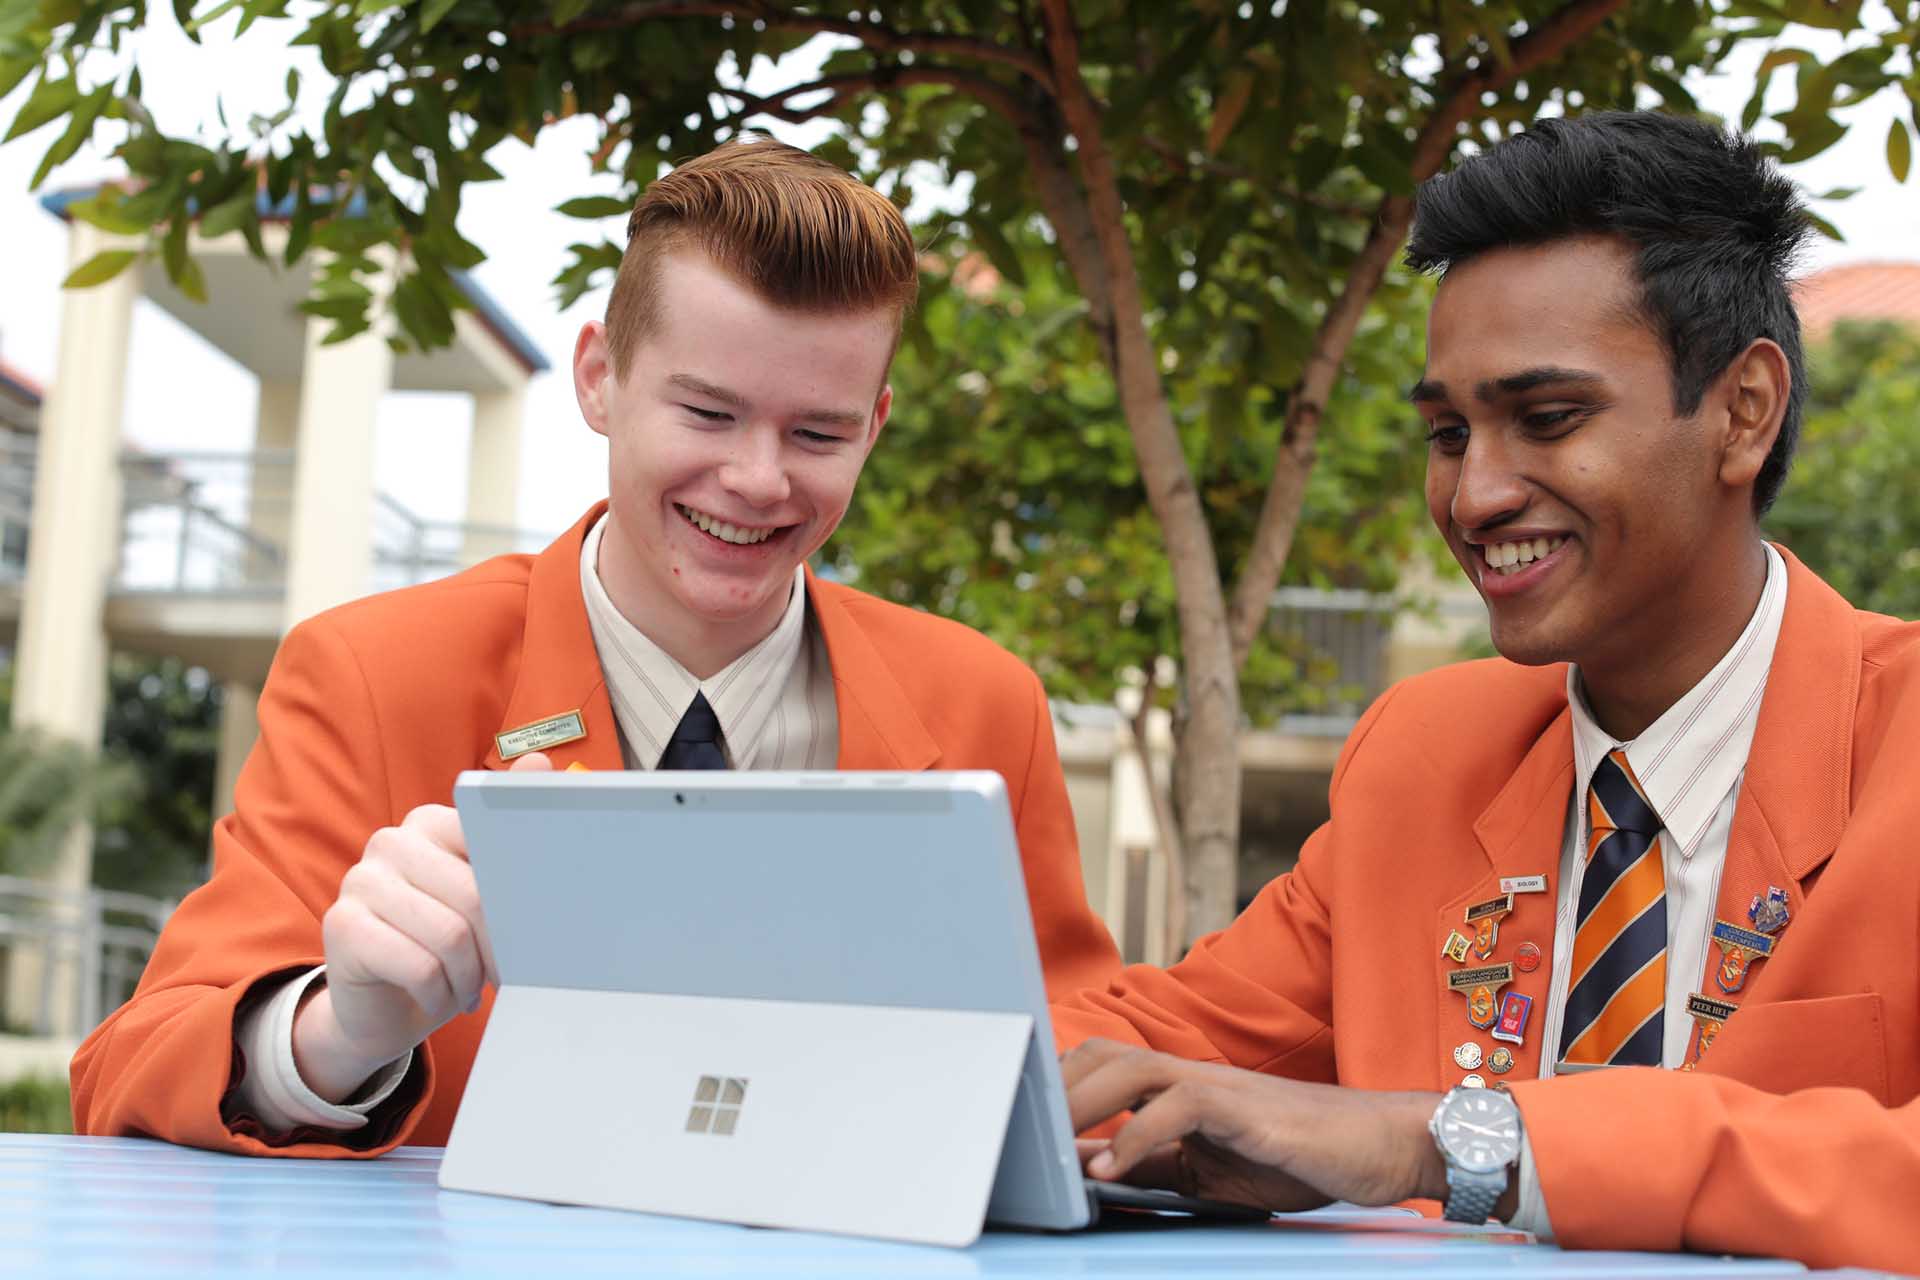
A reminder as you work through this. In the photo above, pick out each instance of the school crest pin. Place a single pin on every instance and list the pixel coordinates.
(1481, 987)
(1768, 912)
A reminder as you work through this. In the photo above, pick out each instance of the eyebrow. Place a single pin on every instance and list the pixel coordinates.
(1427, 391)
(734, 400)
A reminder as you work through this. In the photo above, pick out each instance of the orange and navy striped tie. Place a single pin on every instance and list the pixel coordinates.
(1617, 988)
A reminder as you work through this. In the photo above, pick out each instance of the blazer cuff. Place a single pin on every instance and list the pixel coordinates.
(272, 1091)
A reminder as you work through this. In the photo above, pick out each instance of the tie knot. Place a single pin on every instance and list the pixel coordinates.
(1618, 802)
(699, 724)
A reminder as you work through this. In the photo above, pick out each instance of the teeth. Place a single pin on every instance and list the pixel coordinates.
(722, 530)
(1508, 557)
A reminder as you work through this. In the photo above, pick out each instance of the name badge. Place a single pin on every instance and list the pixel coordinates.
(1524, 884)
(567, 727)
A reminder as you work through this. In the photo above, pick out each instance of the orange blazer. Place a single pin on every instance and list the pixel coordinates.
(371, 709)
(1799, 1132)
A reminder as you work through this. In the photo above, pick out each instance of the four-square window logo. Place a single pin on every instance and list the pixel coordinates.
(716, 1105)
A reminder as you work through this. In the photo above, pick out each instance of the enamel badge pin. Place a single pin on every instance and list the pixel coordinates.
(1515, 1009)
(1739, 948)
(1711, 1014)
(1455, 947)
(1481, 987)
(1485, 918)
(1768, 912)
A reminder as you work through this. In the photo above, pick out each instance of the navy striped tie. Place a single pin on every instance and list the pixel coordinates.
(1617, 984)
(695, 743)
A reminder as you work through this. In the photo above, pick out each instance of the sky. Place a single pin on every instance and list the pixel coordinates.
(184, 394)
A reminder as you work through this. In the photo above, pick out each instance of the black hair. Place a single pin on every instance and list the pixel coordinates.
(1715, 228)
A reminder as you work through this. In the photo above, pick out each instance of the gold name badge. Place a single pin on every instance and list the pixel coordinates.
(541, 734)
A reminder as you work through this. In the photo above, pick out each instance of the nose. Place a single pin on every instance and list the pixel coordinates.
(1489, 488)
(755, 468)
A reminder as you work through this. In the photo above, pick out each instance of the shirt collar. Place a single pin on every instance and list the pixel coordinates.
(1688, 759)
(651, 691)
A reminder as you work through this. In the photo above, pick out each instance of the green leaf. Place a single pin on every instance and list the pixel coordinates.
(100, 268)
(1899, 150)
(14, 70)
(50, 100)
(986, 233)
(594, 207)
(565, 11)
(79, 129)
(1824, 227)
(227, 217)
(106, 211)
(432, 11)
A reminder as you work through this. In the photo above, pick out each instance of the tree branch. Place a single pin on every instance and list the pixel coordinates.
(1299, 438)
(874, 35)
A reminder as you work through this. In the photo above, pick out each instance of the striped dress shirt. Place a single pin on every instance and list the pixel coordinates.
(1689, 762)
(775, 701)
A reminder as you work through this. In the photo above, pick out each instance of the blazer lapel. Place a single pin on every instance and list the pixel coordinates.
(559, 666)
(1520, 833)
(879, 728)
(1793, 801)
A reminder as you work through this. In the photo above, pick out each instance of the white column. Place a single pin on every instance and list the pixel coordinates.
(330, 528)
(493, 472)
(60, 660)
(239, 726)
(276, 432)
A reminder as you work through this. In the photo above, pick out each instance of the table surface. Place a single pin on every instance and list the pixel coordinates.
(125, 1206)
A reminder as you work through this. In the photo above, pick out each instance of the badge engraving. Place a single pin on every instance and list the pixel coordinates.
(1466, 1056)
(1515, 1009)
(1526, 958)
(1456, 947)
(1485, 918)
(1500, 1061)
(1474, 1081)
(1523, 884)
(1481, 987)
(1739, 948)
(569, 726)
(1711, 1014)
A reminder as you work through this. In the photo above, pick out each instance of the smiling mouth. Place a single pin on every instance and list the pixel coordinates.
(1510, 557)
(713, 526)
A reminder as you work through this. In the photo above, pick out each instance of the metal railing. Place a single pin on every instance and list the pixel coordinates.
(69, 958)
(204, 522)
(1339, 641)
(16, 502)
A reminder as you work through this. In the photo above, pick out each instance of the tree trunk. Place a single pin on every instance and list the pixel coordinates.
(1207, 787)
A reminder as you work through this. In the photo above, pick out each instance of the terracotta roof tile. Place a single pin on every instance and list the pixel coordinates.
(19, 383)
(1859, 291)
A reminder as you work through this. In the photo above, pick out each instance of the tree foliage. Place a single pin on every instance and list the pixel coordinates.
(1226, 185)
(148, 790)
(1005, 492)
(1850, 507)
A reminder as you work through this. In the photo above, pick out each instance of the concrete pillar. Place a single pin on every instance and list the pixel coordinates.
(493, 472)
(60, 662)
(276, 434)
(330, 528)
(239, 726)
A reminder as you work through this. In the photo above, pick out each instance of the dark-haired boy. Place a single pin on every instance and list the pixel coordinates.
(1644, 893)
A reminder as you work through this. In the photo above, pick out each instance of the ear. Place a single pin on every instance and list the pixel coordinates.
(882, 410)
(594, 380)
(1757, 385)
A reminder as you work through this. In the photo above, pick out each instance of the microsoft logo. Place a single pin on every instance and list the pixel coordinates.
(716, 1105)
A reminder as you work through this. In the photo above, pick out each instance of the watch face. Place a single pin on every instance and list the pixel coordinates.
(1479, 1129)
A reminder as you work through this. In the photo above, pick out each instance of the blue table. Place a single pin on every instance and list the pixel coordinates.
(127, 1207)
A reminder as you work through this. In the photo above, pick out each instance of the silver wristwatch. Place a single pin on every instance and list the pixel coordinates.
(1478, 1133)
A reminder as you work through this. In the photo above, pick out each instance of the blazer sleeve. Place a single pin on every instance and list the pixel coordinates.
(1075, 948)
(312, 791)
(1257, 994)
(1638, 1158)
